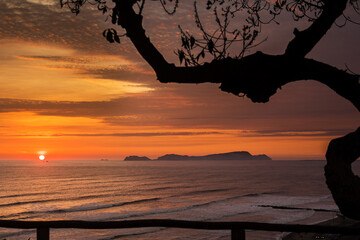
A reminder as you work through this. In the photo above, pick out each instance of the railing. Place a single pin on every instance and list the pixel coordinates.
(237, 228)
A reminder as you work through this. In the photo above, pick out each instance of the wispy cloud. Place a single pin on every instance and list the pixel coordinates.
(296, 133)
(66, 59)
(99, 66)
(132, 134)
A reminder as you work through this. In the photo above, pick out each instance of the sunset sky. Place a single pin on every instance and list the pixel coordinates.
(67, 92)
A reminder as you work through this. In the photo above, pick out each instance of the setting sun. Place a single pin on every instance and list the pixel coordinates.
(41, 157)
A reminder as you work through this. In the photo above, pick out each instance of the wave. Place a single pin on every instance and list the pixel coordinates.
(154, 183)
(205, 191)
(299, 208)
(26, 202)
(253, 205)
(81, 208)
(91, 207)
(16, 234)
(50, 200)
(23, 195)
(183, 209)
(165, 188)
(109, 184)
(94, 196)
(180, 209)
(76, 209)
(133, 234)
(186, 193)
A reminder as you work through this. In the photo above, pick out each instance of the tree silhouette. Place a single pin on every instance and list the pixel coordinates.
(220, 57)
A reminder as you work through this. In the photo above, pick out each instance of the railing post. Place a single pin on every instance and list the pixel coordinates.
(237, 234)
(42, 233)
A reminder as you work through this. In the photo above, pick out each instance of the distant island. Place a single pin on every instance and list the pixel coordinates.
(136, 158)
(240, 155)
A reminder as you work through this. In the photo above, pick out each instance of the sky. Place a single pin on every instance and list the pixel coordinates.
(69, 94)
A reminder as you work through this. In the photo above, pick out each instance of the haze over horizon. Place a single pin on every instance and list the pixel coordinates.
(68, 92)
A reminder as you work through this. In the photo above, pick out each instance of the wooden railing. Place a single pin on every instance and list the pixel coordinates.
(237, 228)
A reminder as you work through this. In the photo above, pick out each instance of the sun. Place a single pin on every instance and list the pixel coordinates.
(41, 157)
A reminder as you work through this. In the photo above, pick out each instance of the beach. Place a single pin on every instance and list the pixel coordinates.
(338, 221)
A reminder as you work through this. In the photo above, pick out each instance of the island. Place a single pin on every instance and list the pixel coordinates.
(239, 155)
(136, 158)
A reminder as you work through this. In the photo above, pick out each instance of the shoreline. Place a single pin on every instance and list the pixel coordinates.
(337, 221)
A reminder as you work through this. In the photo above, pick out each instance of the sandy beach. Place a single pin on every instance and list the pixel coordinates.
(338, 221)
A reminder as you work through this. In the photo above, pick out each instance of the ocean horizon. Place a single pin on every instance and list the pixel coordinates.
(260, 191)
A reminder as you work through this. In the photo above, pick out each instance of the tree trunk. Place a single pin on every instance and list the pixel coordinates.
(343, 184)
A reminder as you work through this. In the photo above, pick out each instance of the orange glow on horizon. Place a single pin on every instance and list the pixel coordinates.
(90, 105)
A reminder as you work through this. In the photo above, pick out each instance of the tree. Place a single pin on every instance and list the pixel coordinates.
(209, 59)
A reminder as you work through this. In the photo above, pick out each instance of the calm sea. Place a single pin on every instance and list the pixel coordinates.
(196, 190)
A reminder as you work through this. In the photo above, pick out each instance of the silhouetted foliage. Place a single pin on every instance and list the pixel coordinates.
(222, 56)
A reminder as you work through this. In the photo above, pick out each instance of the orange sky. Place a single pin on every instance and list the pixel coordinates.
(68, 92)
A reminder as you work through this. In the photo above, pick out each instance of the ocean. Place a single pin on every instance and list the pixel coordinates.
(260, 191)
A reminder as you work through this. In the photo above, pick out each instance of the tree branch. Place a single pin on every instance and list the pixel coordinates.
(258, 76)
(304, 41)
(126, 17)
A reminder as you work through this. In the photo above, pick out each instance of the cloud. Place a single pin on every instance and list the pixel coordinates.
(68, 108)
(43, 2)
(45, 23)
(65, 59)
(295, 111)
(132, 134)
(236, 133)
(297, 133)
(136, 74)
(42, 22)
(97, 66)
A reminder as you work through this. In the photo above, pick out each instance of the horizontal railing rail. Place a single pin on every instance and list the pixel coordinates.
(237, 228)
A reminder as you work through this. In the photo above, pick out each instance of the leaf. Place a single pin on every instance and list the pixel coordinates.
(181, 55)
(197, 57)
(211, 46)
(186, 42)
(183, 42)
(201, 54)
(208, 4)
(277, 4)
(192, 41)
(109, 37)
(116, 38)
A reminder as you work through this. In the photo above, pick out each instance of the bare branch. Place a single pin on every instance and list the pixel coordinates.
(242, 76)
(304, 41)
(132, 23)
